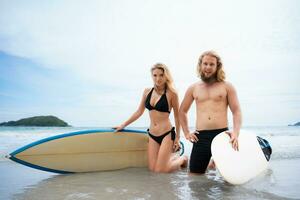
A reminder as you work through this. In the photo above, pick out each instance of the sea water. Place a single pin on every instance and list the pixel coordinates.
(280, 181)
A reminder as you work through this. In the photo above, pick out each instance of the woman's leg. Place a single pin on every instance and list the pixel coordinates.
(165, 162)
(153, 148)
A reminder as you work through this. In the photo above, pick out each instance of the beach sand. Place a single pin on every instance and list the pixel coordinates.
(280, 181)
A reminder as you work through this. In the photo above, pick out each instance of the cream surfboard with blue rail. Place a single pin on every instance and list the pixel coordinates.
(238, 167)
(85, 151)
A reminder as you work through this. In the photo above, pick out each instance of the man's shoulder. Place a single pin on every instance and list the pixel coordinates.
(196, 84)
(228, 85)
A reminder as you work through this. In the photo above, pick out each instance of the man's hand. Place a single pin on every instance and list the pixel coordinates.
(233, 140)
(192, 137)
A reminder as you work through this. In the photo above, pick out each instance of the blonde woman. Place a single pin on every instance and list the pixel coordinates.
(163, 138)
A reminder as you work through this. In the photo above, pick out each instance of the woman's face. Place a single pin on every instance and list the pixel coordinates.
(159, 78)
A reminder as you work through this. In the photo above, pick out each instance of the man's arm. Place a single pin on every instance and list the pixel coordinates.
(184, 108)
(234, 106)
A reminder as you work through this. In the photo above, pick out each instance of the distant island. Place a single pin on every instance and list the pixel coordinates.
(37, 121)
(297, 124)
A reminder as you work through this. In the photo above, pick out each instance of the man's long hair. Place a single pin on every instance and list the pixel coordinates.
(220, 74)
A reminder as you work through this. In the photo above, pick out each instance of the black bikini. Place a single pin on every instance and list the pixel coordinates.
(160, 138)
(162, 106)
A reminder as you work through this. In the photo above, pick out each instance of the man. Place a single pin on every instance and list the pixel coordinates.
(212, 95)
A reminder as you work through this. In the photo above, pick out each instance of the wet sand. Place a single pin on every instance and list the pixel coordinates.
(280, 181)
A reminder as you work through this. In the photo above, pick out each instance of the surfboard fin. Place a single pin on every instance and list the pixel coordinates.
(265, 147)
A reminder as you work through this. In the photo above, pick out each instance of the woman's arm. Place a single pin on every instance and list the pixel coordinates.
(175, 105)
(136, 114)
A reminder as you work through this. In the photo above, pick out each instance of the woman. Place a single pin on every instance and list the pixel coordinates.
(163, 140)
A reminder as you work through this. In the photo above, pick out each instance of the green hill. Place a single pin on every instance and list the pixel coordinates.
(297, 124)
(37, 121)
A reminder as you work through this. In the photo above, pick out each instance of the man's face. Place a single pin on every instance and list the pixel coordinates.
(208, 68)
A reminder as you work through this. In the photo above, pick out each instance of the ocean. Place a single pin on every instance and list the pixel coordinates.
(280, 181)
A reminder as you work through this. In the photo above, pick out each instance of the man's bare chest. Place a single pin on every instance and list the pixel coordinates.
(215, 94)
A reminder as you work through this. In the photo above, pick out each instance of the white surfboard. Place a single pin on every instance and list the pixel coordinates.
(85, 151)
(238, 167)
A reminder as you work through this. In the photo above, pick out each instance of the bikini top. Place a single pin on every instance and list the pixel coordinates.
(162, 104)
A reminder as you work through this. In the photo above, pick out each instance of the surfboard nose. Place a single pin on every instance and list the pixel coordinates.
(8, 156)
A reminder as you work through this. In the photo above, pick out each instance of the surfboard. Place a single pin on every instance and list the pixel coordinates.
(238, 167)
(85, 151)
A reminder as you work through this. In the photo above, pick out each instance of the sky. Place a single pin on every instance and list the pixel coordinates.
(88, 62)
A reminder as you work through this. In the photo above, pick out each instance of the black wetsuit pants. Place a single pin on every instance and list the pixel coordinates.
(201, 152)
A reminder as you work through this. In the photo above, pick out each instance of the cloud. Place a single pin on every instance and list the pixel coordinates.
(106, 48)
(103, 36)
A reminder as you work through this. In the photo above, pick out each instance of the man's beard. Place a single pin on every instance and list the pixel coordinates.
(209, 79)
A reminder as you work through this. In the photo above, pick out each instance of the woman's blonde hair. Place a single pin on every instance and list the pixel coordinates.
(220, 74)
(166, 71)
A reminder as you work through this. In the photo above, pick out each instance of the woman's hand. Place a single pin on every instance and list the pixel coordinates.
(233, 140)
(119, 128)
(176, 145)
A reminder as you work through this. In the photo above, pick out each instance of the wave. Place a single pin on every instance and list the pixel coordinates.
(285, 141)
